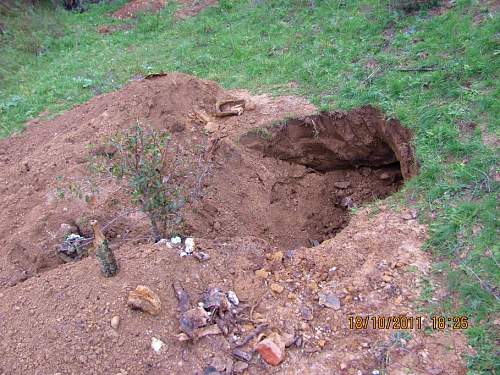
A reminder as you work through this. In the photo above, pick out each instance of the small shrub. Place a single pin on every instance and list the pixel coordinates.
(140, 158)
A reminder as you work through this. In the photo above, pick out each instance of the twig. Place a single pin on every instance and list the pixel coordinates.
(182, 296)
(257, 331)
(484, 285)
(367, 79)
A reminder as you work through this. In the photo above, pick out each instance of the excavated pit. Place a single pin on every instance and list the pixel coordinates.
(293, 184)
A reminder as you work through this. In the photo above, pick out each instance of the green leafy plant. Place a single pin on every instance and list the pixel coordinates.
(140, 158)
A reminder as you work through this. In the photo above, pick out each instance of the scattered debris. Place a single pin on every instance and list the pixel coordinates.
(144, 299)
(156, 344)
(115, 322)
(193, 319)
(242, 355)
(201, 116)
(72, 249)
(329, 300)
(68, 229)
(272, 349)
(233, 298)
(258, 330)
(103, 252)
(229, 107)
(182, 297)
(198, 333)
(215, 300)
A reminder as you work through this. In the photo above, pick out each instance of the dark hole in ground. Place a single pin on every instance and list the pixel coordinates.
(294, 183)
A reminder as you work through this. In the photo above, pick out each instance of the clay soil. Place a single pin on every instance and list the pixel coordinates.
(267, 186)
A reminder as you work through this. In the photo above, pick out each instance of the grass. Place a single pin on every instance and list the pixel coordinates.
(342, 54)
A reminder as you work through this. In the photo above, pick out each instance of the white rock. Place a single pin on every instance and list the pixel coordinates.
(156, 344)
(115, 322)
(233, 298)
(189, 245)
(176, 240)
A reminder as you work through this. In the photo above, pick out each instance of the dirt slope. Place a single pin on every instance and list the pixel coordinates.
(60, 322)
(269, 186)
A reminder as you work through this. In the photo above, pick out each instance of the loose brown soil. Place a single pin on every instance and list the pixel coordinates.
(269, 185)
(135, 7)
(189, 8)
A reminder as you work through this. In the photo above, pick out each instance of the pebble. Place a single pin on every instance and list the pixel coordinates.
(329, 300)
(176, 240)
(156, 344)
(115, 322)
(262, 273)
(342, 184)
(240, 367)
(144, 299)
(306, 312)
(272, 349)
(276, 257)
(277, 288)
(233, 298)
(242, 355)
(201, 256)
(387, 278)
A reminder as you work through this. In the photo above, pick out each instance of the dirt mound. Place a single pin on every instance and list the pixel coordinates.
(68, 310)
(45, 180)
(269, 191)
(135, 7)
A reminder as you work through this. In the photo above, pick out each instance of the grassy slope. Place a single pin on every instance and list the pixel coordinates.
(327, 47)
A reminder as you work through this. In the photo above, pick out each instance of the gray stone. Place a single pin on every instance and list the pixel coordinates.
(329, 300)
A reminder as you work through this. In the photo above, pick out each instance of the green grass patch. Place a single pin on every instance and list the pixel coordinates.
(342, 54)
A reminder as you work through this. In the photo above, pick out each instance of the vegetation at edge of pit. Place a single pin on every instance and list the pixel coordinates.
(141, 158)
(341, 54)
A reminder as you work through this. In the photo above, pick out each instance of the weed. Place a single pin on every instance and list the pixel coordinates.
(263, 133)
(140, 157)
